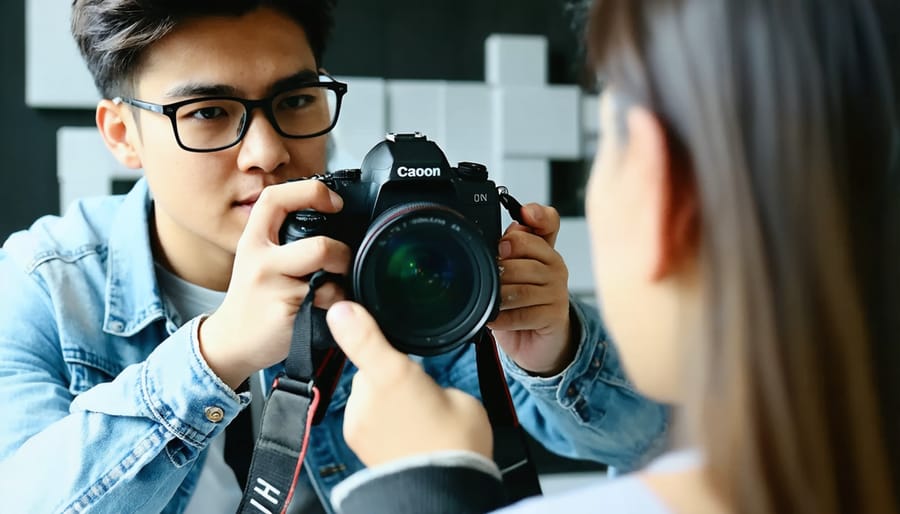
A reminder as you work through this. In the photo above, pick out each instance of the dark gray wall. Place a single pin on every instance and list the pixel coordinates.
(437, 39)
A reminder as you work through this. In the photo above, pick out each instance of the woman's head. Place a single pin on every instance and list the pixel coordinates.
(744, 213)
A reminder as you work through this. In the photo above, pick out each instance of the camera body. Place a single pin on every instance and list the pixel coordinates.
(424, 239)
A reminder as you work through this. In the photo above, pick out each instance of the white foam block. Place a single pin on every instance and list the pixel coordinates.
(528, 180)
(363, 118)
(416, 106)
(519, 60)
(84, 165)
(55, 74)
(538, 121)
(467, 134)
(573, 243)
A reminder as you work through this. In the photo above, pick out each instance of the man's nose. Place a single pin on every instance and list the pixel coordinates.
(263, 148)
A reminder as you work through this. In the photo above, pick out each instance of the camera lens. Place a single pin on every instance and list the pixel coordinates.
(427, 276)
(423, 274)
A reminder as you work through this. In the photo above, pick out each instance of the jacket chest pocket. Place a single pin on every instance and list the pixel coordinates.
(87, 369)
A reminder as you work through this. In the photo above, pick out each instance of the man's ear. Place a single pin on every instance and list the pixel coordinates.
(674, 216)
(117, 133)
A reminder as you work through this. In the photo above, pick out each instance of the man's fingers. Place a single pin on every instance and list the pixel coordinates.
(275, 202)
(529, 271)
(543, 221)
(540, 318)
(305, 256)
(525, 245)
(356, 332)
(516, 296)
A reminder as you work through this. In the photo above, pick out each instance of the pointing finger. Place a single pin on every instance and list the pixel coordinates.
(356, 332)
(275, 202)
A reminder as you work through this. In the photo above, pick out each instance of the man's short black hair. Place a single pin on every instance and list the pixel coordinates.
(113, 34)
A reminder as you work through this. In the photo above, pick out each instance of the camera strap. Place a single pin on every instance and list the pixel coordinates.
(520, 478)
(312, 370)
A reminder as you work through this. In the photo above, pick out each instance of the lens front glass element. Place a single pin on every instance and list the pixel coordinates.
(428, 278)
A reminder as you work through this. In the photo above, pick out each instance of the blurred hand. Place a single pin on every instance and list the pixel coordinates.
(252, 328)
(395, 409)
(533, 325)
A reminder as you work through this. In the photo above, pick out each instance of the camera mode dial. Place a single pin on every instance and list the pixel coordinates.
(472, 171)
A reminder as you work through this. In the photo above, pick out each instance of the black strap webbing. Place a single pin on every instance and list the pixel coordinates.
(520, 478)
(238, 438)
(279, 448)
(291, 408)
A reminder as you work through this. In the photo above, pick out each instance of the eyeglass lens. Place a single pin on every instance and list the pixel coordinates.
(208, 124)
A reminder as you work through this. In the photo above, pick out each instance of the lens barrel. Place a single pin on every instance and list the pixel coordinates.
(426, 274)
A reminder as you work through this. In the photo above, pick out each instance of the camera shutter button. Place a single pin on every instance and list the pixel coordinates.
(472, 171)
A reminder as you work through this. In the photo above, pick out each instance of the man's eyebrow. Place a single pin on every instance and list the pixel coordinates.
(302, 77)
(192, 89)
(196, 89)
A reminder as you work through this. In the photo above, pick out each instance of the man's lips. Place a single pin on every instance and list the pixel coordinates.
(247, 201)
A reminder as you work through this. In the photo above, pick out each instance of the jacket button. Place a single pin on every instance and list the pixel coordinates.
(214, 414)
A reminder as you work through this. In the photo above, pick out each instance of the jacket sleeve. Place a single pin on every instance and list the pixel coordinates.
(590, 410)
(121, 446)
(451, 482)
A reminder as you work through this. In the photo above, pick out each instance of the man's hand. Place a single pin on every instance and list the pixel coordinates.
(395, 409)
(252, 328)
(533, 325)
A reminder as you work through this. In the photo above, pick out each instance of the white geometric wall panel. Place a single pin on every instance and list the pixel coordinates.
(85, 166)
(55, 75)
(538, 121)
(363, 117)
(510, 60)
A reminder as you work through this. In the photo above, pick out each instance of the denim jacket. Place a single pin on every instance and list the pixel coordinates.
(108, 406)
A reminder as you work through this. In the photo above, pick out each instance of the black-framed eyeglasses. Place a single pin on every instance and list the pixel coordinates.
(213, 123)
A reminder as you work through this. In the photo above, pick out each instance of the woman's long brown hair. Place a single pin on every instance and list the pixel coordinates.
(785, 115)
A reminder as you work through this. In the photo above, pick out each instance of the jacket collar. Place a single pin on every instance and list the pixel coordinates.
(132, 294)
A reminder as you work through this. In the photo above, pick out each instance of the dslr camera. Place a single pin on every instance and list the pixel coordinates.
(424, 238)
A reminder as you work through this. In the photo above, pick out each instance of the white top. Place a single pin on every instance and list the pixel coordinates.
(626, 495)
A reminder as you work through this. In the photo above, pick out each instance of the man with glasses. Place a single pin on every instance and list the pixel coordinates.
(118, 383)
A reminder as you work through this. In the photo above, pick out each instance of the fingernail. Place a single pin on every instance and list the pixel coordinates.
(342, 311)
(537, 213)
(336, 200)
(505, 249)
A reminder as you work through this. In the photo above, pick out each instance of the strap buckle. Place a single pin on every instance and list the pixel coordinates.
(301, 387)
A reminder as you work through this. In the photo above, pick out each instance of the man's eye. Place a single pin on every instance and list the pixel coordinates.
(208, 113)
(296, 101)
